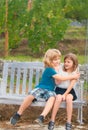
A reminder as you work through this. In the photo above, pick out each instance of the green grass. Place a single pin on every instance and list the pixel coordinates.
(72, 33)
(81, 58)
(21, 58)
(75, 33)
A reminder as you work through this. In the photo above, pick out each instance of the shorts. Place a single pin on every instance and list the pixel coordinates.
(40, 93)
(63, 90)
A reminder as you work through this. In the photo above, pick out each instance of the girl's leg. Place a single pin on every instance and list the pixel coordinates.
(48, 106)
(54, 111)
(56, 107)
(69, 103)
(27, 102)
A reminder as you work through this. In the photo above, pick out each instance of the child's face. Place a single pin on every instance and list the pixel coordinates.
(56, 62)
(68, 64)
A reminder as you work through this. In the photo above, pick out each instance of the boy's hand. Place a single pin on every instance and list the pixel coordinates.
(57, 81)
(77, 75)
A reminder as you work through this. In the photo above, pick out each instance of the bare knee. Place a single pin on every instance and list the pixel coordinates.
(69, 98)
(59, 98)
(52, 98)
(29, 97)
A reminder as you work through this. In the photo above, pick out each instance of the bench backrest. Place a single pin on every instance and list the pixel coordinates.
(21, 77)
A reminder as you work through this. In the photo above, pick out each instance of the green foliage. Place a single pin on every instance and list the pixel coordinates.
(47, 24)
(77, 9)
(44, 25)
(16, 21)
(2, 16)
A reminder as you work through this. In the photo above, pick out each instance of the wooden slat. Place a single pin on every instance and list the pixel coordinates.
(18, 76)
(12, 76)
(24, 81)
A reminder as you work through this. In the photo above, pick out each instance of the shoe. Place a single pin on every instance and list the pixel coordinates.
(68, 126)
(40, 120)
(51, 125)
(14, 119)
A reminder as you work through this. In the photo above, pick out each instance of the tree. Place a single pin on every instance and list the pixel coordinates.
(29, 4)
(6, 31)
(16, 21)
(12, 21)
(77, 9)
(46, 25)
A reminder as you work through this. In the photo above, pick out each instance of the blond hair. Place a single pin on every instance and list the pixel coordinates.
(72, 57)
(50, 55)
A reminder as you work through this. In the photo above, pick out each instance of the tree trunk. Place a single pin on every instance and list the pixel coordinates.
(6, 31)
(29, 4)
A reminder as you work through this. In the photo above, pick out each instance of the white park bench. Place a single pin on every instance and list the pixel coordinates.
(20, 77)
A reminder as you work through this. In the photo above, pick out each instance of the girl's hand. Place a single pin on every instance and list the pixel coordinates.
(63, 97)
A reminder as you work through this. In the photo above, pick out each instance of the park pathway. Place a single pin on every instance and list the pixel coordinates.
(37, 127)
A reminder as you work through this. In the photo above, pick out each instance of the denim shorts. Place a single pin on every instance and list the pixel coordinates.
(40, 93)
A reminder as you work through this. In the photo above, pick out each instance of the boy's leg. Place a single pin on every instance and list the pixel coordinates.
(46, 110)
(27, 101)
(48, 106)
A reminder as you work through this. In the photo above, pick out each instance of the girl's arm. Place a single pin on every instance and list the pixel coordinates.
(68, 89)
(70, 86)
(63, 78)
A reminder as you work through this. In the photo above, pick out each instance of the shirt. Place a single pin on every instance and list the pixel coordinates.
(64, 84)
(47, 81)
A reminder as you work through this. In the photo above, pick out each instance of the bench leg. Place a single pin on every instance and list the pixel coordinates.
(80, 115)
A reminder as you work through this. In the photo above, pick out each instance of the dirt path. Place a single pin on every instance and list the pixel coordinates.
(5, 125)
(26, 121)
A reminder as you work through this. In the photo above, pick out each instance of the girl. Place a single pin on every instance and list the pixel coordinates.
(45, 89)
(64, 90)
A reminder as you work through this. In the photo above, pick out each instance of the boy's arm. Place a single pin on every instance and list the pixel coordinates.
(63, 78)
(58, 81)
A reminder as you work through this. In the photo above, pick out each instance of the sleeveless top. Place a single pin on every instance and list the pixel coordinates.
(64, 84)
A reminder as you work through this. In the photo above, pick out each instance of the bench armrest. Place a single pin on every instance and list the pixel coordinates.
(80, 89)
(0, 85)
(0, 81)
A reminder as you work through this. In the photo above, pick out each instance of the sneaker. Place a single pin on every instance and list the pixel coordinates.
(51, 125)
(68, 126)
(14, 118)
(40, 120)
